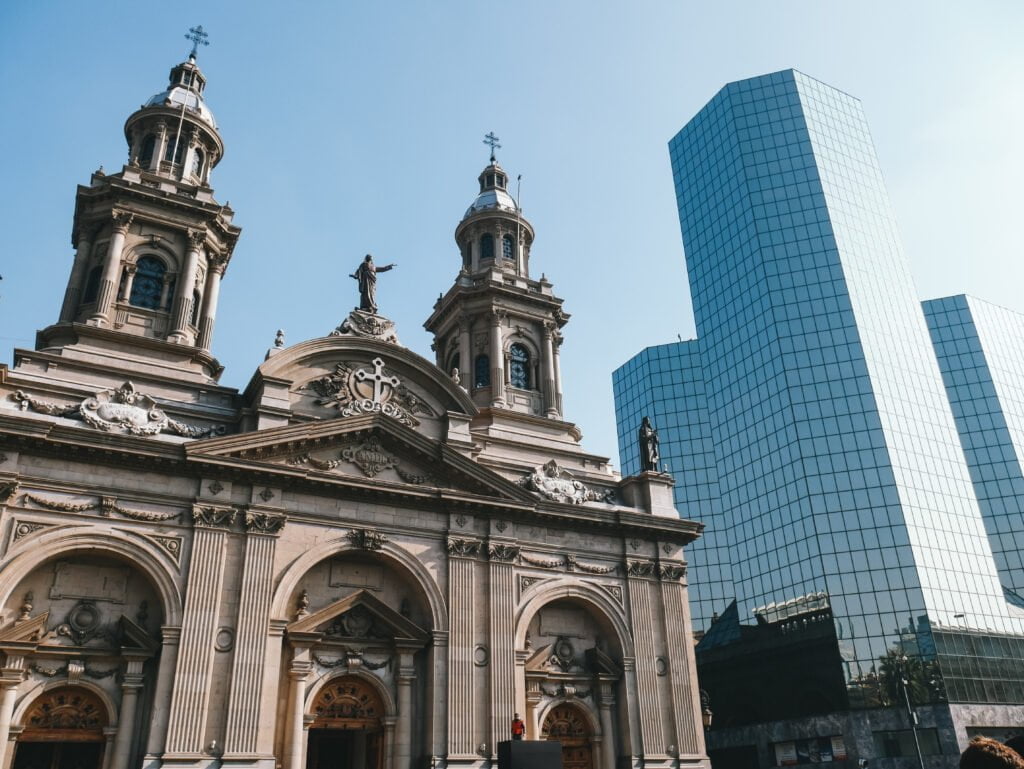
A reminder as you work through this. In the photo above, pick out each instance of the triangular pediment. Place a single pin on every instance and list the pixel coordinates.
(365, 449)
(24, 634)
(359, 616)
(135, 640)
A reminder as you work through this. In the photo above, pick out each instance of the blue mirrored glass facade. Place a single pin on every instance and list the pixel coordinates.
(829, 464)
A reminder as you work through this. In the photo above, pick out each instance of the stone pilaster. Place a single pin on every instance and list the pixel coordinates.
(211, 296)
(403, 732)
(182, 312)
(164, 681)
(502, 632)
(605, 700)
(682, 665)
(548, 361)
(11, 676)
(190, 697)
(73, 293)
(497, 362)
(111, 269)
(295, 735)
(642, 592)
(468, 371)
(462, 708)
(437, 696)
(130, 687)
(246, 695)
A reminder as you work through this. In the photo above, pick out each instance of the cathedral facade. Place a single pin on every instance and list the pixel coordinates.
(364, 559)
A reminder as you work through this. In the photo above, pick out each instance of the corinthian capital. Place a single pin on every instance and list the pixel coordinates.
(196, 239)
(122, 220)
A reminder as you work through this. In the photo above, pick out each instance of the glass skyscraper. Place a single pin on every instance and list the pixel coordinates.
(809, 424)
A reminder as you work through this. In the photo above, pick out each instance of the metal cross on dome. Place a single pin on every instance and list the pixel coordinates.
(492, 140)
(198, 38)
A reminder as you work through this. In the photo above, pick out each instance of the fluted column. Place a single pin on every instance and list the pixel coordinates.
(171, 637)
(604, 704)
(245, 696)
(190, 697)
(129, 281)
(502, 626)
(437, 695)
(11, 676)
(632, 720)
(462, 710)
(73, 293)
(558, 374)
(468, 372)
(403, 732)
(682, 667)
(497, 362)
(130, 687)
(182, 311)
(111, 269)
(210, 297)
(550, 398)
(642, 619)
(296, 734)
(159, 147)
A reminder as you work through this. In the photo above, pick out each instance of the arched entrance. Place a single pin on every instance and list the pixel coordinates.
(568, 725)
(348, 726)
(63, 729)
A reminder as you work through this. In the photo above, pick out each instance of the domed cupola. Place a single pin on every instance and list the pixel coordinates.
(174, 134)
(493, 233)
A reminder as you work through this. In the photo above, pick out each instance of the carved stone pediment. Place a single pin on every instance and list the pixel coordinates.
(370, 448)
(359, 617)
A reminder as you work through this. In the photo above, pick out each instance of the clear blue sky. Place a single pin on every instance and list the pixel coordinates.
(356, 127)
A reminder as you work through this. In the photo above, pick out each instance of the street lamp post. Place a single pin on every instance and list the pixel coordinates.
(911, 714)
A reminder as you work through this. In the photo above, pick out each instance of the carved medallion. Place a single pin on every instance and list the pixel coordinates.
(353, 389)
(557, 484)
(369, 457)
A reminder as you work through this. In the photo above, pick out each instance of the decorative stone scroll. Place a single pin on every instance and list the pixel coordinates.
(465, 548)
(120, 410)
(213, 517)
(367, 539)
(264, 523)
(105, 505)
(367, 325)
(671, 572)
(7, 490)
(557, 484)
(353, 390)
(503, 553)
(641, 568)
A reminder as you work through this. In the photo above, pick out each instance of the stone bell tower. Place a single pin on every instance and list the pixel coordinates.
(151, 243)
(499, 327)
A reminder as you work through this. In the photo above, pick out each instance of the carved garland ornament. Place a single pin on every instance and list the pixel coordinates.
(120, 410)
(105, 505)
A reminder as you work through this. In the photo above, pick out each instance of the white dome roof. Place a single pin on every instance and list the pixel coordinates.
(177, 95)
(494, 198)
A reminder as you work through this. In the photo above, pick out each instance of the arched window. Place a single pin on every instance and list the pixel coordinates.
(197, 163)
(179, 153)
(482, 371)
(148, 286)
(197, 299)
(92, 284)
(487, 246)
(519, 367)
(508, 247)
(148, 147)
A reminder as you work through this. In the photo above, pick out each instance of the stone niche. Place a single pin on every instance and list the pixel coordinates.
(86, 595)
(339, 576)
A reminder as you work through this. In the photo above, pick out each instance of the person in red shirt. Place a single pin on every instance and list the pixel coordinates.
(518, 728)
